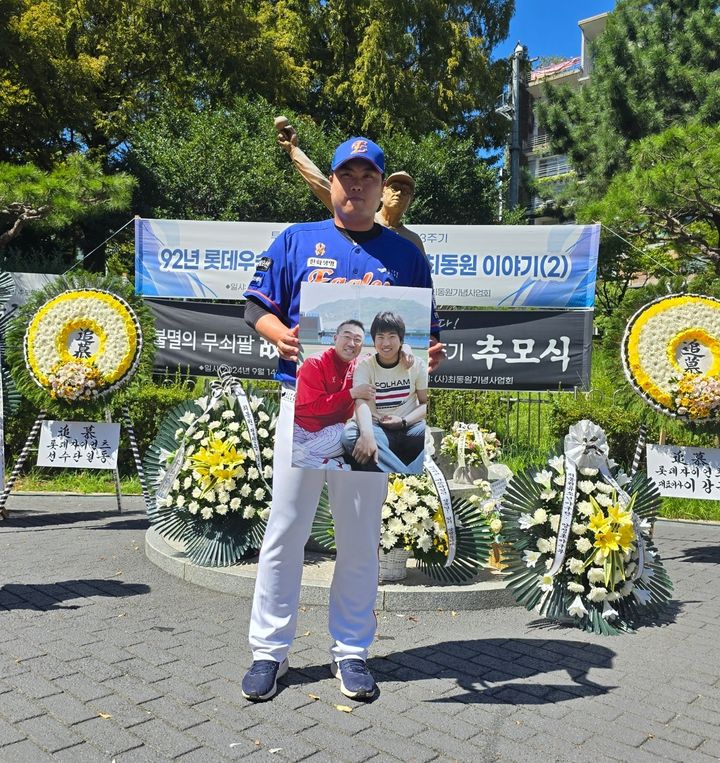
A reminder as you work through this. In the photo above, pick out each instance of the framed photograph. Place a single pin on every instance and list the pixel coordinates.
(361, 396)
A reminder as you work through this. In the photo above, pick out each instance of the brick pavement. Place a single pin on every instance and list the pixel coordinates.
(105, 657)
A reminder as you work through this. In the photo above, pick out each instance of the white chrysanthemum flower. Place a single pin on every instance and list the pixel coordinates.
(574, 587)
(180, 501)
(395, 525)
(548, 495)
(245, 435)
(531, 557)
(219, 434)
(221, 509)
(187, 482)
(603, 487)
(210, 496)
(204, 418)
(586, 486)
(583, 545)
(579, 528)
(259, 494)
(245, 490)
(230, 485)
(544, 546)
(559, 480)
(176, 485)
(253, 473)
(196, 493)
(206, 512)
(233, 426)
(597, 593)
(585, 508)
(596, 575)
(264, 513)
(229, 414)
(603, 500)
(386, 511)
(496, 525)
(198, 435)
(575, 565)
(168, 500)
(223, 496)
(588, 471)
(214, 425)
(193, 507)
(267, 472)
(235, 504)
(267, 453)
(540, 516)
(234, 440)
(263, 433)
(262, 416)
(424, 542)
(554, 522)
(388, 540)
(248, 512)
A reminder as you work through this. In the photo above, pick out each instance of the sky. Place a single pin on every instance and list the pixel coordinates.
(549, 27)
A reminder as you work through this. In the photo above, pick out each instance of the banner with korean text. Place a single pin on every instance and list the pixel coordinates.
(547, 266)
(487, 349)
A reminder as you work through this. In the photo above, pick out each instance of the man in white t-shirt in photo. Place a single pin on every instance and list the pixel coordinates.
(388, 433)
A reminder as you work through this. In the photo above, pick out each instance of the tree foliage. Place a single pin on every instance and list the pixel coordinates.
(223, 164)
(668, 202)
(85, 73)
(59, 197)
(656, 64)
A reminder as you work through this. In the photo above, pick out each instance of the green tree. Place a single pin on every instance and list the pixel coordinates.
(417, 66)
(223, 164)
(668, 202)
(656, 64)
(82, 73)
(74, 189)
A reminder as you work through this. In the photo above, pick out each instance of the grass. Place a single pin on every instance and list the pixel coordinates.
(75, 481)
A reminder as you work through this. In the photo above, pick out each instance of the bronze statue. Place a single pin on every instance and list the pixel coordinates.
(398, 189)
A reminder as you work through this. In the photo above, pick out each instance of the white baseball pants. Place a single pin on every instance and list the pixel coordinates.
(356, 500)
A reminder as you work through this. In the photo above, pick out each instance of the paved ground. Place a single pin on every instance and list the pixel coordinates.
(104, 657)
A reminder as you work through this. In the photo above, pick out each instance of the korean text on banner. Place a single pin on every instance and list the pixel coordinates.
(551, 266)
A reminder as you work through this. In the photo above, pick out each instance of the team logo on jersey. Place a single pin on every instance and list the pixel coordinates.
(319, 249)
(359, 147)
(322, 262)
(263, 264)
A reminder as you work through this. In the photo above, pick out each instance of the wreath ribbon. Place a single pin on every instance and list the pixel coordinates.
(443, 491)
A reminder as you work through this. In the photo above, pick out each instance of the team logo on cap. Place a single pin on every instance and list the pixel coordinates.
(319, 249)
(359, 147)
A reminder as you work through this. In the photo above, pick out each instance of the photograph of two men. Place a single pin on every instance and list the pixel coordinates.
(361, 395)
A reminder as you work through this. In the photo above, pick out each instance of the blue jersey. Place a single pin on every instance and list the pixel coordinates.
(318, 252)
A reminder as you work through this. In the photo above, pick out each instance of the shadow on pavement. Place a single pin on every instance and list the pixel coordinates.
(127, 520)
(701, 554)
(46, 597)
(504, 671)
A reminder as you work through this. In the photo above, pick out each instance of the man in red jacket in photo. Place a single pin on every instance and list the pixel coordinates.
(325, 400)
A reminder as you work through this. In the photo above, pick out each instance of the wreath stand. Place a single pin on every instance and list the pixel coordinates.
(22, 458)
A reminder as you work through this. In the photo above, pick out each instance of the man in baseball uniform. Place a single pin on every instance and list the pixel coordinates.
(349, 248)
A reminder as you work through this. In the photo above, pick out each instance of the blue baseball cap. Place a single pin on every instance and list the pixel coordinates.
(359, 148)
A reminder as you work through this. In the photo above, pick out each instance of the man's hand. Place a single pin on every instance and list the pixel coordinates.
(406, 356)
(436, 354)
(287, 138)
(363, 392)
(390, 422)
(365, 449)
(288, 345)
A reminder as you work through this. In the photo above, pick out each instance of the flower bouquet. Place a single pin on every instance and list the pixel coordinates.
(584, 545)
(413, 521)
(212, 477)
(471, 450)
(671, 356)
(490, 507)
